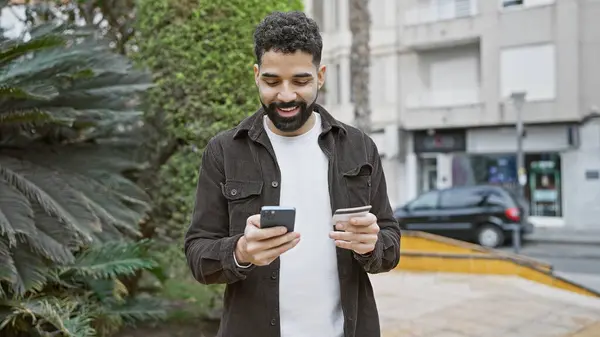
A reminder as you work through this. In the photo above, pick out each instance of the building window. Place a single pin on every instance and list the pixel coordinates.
(510, 3)
(525, 3)
(449, 77)
(531, 69)
(543, 191)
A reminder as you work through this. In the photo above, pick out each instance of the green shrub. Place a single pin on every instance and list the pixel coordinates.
(201, 53)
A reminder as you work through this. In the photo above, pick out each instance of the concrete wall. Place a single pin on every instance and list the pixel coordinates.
(581, 196)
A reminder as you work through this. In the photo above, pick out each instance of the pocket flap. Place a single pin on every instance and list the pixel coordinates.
(239, 189)
(361, 170)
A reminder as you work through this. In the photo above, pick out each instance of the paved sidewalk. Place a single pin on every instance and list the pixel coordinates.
(465, 305)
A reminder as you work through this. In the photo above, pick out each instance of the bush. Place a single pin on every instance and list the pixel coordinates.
(201, 53)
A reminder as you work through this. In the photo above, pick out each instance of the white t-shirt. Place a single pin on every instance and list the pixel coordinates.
(309, 289)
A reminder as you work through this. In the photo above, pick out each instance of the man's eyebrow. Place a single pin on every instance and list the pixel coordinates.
(299, 75)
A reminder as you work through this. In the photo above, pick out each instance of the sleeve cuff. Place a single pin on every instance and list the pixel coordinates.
(372, 258)
(228, 258)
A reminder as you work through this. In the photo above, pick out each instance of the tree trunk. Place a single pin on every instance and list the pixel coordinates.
(360, 59)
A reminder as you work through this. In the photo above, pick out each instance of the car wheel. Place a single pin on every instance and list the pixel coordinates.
(490, 236)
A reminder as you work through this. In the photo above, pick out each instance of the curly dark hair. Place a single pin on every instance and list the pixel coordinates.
(288, 32)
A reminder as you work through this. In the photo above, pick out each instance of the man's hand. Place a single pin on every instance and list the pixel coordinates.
(359, 234)
(261, 246)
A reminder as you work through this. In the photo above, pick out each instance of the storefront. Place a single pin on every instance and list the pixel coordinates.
(491, 159)
(562, 162)
(543, 187)
(434, 150)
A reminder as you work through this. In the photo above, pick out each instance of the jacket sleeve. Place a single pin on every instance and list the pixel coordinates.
(386, 254)
(209, 249)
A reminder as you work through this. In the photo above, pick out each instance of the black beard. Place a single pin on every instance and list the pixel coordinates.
(289, 124)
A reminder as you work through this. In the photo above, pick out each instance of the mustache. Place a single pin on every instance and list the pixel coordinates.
(285, 105)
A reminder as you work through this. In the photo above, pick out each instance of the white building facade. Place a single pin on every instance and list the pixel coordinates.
(442, 72)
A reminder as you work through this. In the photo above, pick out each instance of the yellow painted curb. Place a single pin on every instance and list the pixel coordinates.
(432, 253)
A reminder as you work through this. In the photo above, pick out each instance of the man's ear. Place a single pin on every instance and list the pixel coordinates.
(256, 73)
(321, 76)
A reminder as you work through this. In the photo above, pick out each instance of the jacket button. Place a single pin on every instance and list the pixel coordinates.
(233, 191)
(273, 321)
(274, 184)
(274, 275)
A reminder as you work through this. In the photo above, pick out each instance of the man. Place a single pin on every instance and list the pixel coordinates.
(312, 282)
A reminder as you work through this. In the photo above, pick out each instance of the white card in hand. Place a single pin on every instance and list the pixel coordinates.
(345, 214)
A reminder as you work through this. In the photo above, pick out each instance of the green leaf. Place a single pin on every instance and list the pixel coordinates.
(19, 50)
(30, 270)
(111, 260)
(51, 193)
(16, 214)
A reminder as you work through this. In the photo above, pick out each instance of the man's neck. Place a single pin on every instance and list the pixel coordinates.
(302, 130)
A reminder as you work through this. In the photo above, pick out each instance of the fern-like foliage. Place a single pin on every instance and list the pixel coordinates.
(84, 298)
(67, 141)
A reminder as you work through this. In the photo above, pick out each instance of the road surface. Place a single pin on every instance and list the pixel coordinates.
(577, 262)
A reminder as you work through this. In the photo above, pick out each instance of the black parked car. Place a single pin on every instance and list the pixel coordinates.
(481, 214)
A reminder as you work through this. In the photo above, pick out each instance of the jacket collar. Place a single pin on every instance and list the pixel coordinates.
(253, 125)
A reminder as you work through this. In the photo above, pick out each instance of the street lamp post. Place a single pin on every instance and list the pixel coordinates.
(518, 99)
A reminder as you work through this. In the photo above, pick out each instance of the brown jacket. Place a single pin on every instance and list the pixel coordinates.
(238, 175)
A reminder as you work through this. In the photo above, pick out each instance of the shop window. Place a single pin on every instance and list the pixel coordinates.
(542, 192)
(543, 188)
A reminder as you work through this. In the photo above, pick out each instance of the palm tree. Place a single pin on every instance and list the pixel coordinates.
(360, 24)
(68, 135)
(67, 108)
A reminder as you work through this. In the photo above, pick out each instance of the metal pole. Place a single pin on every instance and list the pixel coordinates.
(518, 100)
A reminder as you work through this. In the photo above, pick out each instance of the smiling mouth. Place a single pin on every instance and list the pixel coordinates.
(288, 112)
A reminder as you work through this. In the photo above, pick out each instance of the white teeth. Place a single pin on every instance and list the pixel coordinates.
(288, 109)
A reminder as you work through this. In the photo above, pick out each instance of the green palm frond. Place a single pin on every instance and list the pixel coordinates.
(65, 316)
(18, 50)
(93, 301)
(68, 115)
(110, 260)
(16, 214)
(29, 271)
(51, 192)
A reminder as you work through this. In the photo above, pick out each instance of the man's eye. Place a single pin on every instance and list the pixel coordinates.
(302, 82)
(272, 83)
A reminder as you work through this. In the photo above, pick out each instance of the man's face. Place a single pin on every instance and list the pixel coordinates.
(288, 85)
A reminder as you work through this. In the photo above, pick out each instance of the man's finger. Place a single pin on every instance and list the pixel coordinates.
(274, 252)
(259, 234)
(280, 240)
(360, 248)
(254, 220)
(366, 220)
(354, 237)
(371, 229)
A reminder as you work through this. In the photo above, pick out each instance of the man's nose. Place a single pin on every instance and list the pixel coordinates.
(286, 96)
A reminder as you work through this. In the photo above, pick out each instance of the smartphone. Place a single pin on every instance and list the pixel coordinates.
(345, 214)
(273, 216)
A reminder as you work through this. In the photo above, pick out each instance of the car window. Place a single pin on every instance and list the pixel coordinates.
(495, 199)
(461, 198)
(428, 200)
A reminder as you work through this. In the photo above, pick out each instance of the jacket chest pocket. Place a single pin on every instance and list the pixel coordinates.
(243, 199)
(358, 185)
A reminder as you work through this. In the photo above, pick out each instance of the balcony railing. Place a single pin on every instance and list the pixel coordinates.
(440, 10)
(442, 99)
